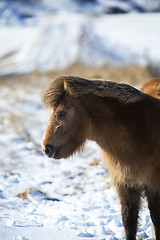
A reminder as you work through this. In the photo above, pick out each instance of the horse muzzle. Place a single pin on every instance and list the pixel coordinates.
(51, 151)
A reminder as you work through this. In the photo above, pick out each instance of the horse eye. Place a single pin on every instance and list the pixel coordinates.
(62, 114)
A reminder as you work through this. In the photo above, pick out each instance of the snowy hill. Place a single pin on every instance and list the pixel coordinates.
(20, 11)
(49, 36)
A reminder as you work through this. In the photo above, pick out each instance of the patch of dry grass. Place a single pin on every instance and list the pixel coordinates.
(131, 74)
(134, 75)
(25, 195)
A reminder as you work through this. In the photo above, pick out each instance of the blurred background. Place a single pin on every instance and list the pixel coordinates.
(113, 39)
(40, 39)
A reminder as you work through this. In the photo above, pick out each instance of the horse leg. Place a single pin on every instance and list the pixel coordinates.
(153, 198)
(130, 202)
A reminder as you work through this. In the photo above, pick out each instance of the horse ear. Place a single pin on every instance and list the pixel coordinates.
(77, 86)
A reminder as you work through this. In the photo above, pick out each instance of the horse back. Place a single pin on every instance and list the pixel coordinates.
(152, 88)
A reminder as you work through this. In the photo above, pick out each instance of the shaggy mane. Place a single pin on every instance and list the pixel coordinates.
(77, 86)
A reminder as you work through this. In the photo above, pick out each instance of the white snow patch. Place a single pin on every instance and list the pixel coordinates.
(65, 38)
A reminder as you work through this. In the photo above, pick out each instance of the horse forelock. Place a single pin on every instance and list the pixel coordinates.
(54, 93)
(59, 87)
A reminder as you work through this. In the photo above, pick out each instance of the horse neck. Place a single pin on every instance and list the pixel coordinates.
(102, 116)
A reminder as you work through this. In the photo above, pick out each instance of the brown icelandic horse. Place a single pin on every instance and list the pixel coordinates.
(125, 123)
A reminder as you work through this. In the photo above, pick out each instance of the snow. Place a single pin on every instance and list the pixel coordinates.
(61, 39)
(46, 199)
(38, 233)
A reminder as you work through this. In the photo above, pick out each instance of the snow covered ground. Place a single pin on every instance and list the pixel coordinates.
(41, 198)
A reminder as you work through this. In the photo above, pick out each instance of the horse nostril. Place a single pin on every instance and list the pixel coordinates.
(48, 150)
